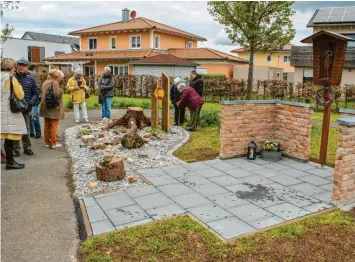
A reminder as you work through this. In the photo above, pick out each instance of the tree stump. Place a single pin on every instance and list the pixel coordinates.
(134, 119)
(113, 171)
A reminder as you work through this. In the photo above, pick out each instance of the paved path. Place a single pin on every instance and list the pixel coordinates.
(231, 197)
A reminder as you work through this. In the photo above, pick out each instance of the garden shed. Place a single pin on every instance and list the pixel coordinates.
(169, 64)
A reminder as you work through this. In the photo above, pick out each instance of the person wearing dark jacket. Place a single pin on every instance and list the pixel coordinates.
(193, 101)
(32, 93)
(35, 124)
(196, 82)
(179, 114)
(106, 91)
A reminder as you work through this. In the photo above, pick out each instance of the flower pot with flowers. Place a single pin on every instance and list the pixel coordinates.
(271, 151)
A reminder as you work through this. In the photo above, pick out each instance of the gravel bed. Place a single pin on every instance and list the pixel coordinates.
(84, 160)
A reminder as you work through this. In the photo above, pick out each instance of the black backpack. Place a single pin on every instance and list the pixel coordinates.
(52, 101)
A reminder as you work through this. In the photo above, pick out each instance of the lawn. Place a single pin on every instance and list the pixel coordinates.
(324, 237)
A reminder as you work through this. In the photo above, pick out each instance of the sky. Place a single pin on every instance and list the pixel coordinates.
(62, 17)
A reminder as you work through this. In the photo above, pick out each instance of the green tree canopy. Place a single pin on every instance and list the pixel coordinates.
(256, 26)
(7, 30)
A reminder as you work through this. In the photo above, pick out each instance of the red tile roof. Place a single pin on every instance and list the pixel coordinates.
(137, 24)
(163, 59)
(203, 54)
(103, 55)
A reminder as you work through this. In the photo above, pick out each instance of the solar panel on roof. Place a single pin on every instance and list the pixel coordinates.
(335, 14)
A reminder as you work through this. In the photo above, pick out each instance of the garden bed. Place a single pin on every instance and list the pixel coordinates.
(154, 153)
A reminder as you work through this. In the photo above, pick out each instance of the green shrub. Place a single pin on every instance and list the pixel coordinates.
(214, 76)
(68, 104)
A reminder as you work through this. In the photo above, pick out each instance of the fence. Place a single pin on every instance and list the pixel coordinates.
(216, 89)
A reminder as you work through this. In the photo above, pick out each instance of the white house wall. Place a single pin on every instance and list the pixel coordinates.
(16, 48)
(181, 71)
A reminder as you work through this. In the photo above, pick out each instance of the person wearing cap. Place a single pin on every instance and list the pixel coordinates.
(77, 86)
(196, 82)
(193, 101)
(32, 93)
(179, 114)
(106, 91)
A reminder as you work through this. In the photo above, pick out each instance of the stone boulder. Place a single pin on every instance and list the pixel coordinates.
(88, 139)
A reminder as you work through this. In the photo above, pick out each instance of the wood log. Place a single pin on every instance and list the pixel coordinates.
(114, 171)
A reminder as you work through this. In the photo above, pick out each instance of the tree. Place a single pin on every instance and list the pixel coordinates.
(256, 26)
(7, 30)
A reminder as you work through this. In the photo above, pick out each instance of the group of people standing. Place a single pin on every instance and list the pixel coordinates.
(191, 97)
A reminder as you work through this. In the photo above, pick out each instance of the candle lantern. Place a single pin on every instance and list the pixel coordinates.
(252, 147)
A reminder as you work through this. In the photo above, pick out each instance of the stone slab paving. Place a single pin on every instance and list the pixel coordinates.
(231, 197)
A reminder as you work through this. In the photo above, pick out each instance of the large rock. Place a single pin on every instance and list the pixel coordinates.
(88, 139)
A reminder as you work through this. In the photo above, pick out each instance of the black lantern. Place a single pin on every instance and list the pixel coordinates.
(252, 150)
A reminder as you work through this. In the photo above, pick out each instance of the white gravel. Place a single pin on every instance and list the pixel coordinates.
(84, 160)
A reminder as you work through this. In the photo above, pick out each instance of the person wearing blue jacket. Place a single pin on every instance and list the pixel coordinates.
(32, 93)
(179, 115)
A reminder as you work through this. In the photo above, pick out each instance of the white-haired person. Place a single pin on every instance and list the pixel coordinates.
(193, 101)
(106, 91)
(179, 114)
(77, 87)
(52, 112)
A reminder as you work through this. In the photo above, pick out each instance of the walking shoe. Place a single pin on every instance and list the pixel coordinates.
(37, 136)
(32, 135)
(86, 121)
(56, 146)
(16, 152)
(190, 129)
(3, 158)
(28, 152)
(48, 146)
(14, 165)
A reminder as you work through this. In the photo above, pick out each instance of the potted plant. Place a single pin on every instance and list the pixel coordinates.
(271, 151)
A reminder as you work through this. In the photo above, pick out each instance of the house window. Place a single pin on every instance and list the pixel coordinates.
(268, 58)
(119, 69)
(112, 42)
(285, 76)
(157, 42)
(92, 43)
(287, 59)
(35, 54)
(189, 44)
(308, 76)
(135, 41)
(58, 53)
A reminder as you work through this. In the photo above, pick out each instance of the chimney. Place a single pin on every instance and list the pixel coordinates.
(125, 15)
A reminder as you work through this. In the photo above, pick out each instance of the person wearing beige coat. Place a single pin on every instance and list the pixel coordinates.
(52, 115)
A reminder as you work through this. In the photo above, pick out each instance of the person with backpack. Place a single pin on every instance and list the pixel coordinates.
(52, 108)
(106, 90)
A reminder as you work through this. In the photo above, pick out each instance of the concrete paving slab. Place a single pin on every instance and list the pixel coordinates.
(315, 180)
(301, 166)
(90, 202)
(175, 189)
(103, 226)
(210, 172)
(286, 180)
(308, 189)
(287, 162)
(230, 227)
(151, 172)
(238, 172)
(317, 207)
(209, 189)
(269, 201)
(239, 187)
(266, 172)
(287, 211)
(251, 166)
(195, 166)
(153, 200)
(124, 215)
(326, 196)
(301, 200)
(328, 187)
(266, 222)
(227, 200)
(120, 199)
(141, 191)
(95, 213)
(165, 211)
(237, 161)
(223, 166)
(225, 180)
(178, 171)
(320, 172)
(162, 180)
(209, 213)
(191, 200)
(249, 212)
(259, 161)
(256, 180)
(276, 166)
(193, 180)
(135, 223)
(293, 172)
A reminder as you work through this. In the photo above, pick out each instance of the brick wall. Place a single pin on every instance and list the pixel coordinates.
(344, 170)
(285, 122)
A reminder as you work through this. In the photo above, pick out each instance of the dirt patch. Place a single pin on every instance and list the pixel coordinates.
(352, 212)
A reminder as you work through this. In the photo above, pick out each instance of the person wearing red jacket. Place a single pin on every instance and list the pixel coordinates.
(193, 101)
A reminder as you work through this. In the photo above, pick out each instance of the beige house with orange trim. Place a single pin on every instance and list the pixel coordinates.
(118, 44)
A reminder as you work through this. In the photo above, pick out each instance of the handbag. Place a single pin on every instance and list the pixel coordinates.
(16, 105)
(87, 96)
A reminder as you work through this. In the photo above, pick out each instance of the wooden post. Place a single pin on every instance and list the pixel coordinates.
(155, 108)
(325, 129)
(165, 113)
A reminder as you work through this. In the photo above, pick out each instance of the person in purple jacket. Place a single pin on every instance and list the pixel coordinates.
(193, 101)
